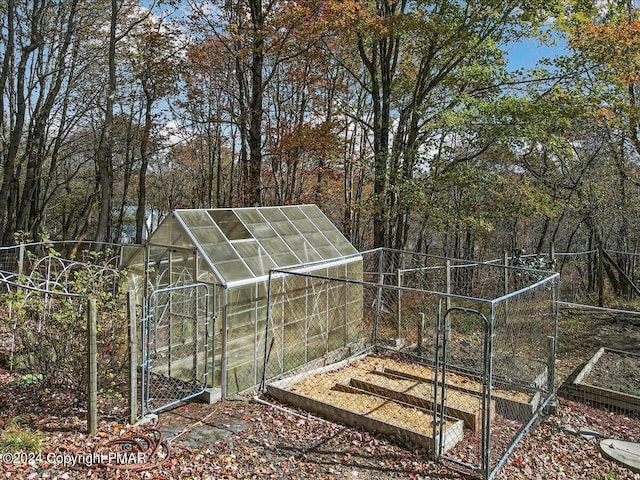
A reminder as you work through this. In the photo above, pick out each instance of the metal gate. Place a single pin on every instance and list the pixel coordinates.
(459, 321)
(175, 346)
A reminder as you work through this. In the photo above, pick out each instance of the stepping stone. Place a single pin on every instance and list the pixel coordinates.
(623, 452)
(205, 433)
(587, 432)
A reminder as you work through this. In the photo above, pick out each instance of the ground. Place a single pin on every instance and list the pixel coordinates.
(245, 439)
(615, 370)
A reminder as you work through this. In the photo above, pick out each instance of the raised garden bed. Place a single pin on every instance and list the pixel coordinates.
(390, 396)
(611, 378)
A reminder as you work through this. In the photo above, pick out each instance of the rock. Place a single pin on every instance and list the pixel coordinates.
(587, 432)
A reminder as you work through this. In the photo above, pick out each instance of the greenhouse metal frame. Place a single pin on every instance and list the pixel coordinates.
(233, 250)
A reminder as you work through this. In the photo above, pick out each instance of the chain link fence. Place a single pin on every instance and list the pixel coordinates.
(175, 346)
(455, 356)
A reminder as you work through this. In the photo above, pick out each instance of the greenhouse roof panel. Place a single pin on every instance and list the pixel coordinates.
(195, 218)
(243, 244)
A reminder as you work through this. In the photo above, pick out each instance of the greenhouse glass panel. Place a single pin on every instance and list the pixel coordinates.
(294, 213)
(162, 235)
(305, 226)
(285, 259)
(323, 224)
(280, 252)
(262, 230)
(180, 239)
(234, 270)
(196, 218)
(251, 216)
(312, 211)
(285, 228)
(316, 238)
(255, 256)
(328, 252)
(303, 249)
(230, 224)
(206, 235)
(273, 214)
(223, 215)
(340, 242)
(221, 252)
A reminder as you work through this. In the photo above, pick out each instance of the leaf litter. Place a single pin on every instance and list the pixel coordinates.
(277, 443)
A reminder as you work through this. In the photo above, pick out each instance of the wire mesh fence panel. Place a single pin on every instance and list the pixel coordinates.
(314, 320)
(599, 357)
(43, 331)
(320, 359)
(175, 346)
(10, 259)
(458, 356)
(523, 346)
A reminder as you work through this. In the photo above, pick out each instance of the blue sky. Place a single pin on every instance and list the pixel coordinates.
(528, 52)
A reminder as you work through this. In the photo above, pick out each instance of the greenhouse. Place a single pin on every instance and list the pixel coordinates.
(230, 254)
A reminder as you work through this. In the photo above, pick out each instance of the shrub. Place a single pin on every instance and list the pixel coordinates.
(49, 325)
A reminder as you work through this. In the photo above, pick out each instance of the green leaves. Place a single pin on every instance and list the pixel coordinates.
(49, 329)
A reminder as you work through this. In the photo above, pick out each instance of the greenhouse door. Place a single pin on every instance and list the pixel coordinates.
(175, 348)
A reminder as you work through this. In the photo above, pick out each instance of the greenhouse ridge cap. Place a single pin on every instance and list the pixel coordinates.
(247, 208)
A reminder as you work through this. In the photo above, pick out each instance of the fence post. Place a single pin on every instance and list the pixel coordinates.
(133, 358)
(600, 274)
(92, 390)
(447, 303)
(421, 330)
(21, 259)
(399, 308)
(448, 285)
(506, 273)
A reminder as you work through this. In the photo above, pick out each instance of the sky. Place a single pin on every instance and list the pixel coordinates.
(527, 53)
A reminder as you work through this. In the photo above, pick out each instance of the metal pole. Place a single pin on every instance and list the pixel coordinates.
(376, 319)
(506, 273)
(92, 390)
(600, 274)
(421, 331)
(196, 326)
(223, 358)
(447, 320)
(170, 324)
(21, 260)
(133, 358)
(265, 358)
(399, 309)
(346, 306)
(488, 387)
(436, 368)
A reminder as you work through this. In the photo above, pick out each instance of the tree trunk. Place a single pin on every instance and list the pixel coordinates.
(103, 154)
(144, 164)
(253, 190)
(8, 189)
